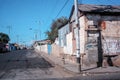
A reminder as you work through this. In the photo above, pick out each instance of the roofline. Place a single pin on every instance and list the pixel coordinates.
(41, 40)
(93, 12)
(63, 25)
(102, 13)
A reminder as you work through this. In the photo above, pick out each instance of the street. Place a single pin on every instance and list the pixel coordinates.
(26, 64)
(29, 65)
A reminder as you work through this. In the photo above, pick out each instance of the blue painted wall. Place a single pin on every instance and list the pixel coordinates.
(49, 49)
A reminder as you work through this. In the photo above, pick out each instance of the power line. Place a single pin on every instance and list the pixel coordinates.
(54, 7)
(52, 11)
(62, 8)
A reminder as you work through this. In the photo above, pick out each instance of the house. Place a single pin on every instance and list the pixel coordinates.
(64, 38)
(65, 41)
(62, 32)
(42, 46)
(99, 33)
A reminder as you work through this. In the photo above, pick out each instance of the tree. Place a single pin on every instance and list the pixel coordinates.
(52, 34)
(4, 38)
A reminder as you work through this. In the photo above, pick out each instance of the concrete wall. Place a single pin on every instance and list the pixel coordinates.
(82, 34)
(110, 36)
(68, 47)
(56, 50)
(110, 32)
(44, 48)
(37, 48)
(62, 32)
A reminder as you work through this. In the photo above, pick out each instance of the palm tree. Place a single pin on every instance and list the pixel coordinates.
(4, 38)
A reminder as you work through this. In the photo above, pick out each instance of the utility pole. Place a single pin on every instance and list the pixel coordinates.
(40, 34)
(9, 30)
(17, 38)
(33, 33)
(77, 28)
(36, 32)
(40, 29)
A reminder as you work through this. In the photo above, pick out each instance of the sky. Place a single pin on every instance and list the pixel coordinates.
(23, 19)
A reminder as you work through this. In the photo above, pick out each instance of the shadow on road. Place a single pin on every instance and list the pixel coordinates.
(19, 60)
(89, 69)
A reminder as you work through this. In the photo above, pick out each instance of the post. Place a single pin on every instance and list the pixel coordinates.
(17, 38)
(9, 30)
(77, 36)
(36, 32)
(40, 34)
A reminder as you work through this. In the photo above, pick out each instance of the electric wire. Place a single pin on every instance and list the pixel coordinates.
(62, 8)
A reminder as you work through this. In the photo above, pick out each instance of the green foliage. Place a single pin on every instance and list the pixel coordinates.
(4, 38)
(52, 34)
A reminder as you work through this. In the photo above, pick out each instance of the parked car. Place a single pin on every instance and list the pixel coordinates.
(3, 48)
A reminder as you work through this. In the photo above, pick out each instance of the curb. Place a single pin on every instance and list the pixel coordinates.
(55, 64)
(72, 72)
(46, 58)
(100, 72)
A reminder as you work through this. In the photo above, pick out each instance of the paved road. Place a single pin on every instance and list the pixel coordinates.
(28, 65)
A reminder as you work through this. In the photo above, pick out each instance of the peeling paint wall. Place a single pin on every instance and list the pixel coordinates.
(44, 48)
(91, 40)
(108, 26)
(111, 46)
(110, 31)
(111, 36)
(82, 34)
(62, 32)
(56, 50)
(68, 48)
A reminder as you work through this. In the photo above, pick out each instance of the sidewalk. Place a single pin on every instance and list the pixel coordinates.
(72, 67)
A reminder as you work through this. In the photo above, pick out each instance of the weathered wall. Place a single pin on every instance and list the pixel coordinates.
(89, 41)
(44, 48)
(62, 32)
(82, 34)
(110, 32)
(37, 48)
(56, 50)
(111, 36)
(68, 47)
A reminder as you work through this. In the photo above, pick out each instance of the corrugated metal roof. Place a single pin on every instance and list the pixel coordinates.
(98, 8)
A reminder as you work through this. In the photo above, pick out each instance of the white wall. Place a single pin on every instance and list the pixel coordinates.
(37, 48)
(68, 47)
(82, 34)
(44, 48)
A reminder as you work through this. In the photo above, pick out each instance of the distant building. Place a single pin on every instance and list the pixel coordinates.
(42, 46)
